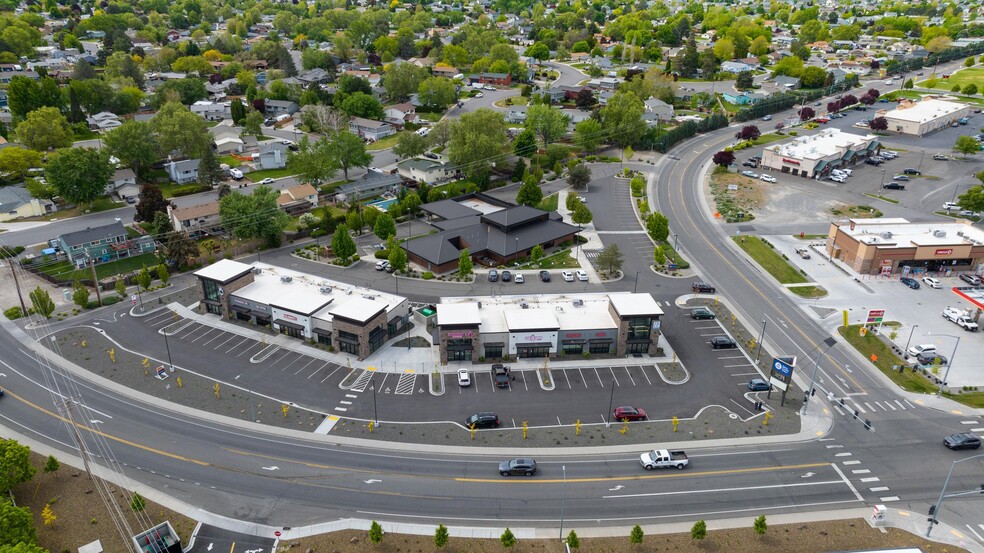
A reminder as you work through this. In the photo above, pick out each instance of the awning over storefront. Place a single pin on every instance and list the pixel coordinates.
(240, 309)
(848, 155)
(289, 324)
(495, 344)
(573, 341)
(874, 145)
(600, 341)
(322, 331)
(820, 166)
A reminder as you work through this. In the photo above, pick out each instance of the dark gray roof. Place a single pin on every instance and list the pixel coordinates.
(457, 223)
(104, 232)
(376, 181)
(513, 216)
(448, 209)
(12, 197)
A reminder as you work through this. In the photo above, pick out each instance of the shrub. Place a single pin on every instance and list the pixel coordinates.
(636, 536)
(427, 275)
(382, 254)
(375, 532)
(137, 503)
(13, 313)
(110, 300)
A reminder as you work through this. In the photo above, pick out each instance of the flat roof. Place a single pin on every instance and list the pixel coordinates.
(631, 305)
(358, 309)
(822, 144)
(458, 314)
(573, 311)
(900, 233)
(925, 111)
(530, 319)
(223, 270)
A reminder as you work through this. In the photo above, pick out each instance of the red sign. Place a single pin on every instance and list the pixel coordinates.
(572, 335)
(289, 317)
(876, 313)
(946, 251)
(790, 161)
(276, 533)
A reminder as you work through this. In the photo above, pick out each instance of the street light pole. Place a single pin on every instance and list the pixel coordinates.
(563, 502)
(946, 374)
(758, 349)
(170, 365)
(375, 411)
(813, 380)
(921, 155)
(939, 502)
(407, 323)
(914, 327)
(635, 286)
(611, 399)
(675, 243)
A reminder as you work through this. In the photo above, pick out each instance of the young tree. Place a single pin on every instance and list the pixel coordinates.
(313, 161)
(536, 253)
(398, 258)
(51, 465)
(45, 129)
(579, 176)
(80, 295)
(549, 124)
(582, 215)
(137, 503)
(611, 259)
(48, 516)
(699, 531)
(41, 302)
(410, 145)
(342, 244)
(135, 144)
(120, 288)
(760, 526)
(573, 541)
(375, 530)
(966, 145)
(724, 158)
(636, 536)
(878, 124)
(588, 134)
(253, 123)
(525, 143)
(658, 226)
(80, 174)
(529, 193)
(384, 227)
(162, 274)
(659, 257)
(464, 263)
(441, 536)
(349, 151)
(254, 216)
(519, 170)
(144, 279)
(807, 113)
(411, 203)
(507, 539)
(749, 132)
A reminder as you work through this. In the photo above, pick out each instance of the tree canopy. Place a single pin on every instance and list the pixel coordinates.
(79, 174)
(254, 216)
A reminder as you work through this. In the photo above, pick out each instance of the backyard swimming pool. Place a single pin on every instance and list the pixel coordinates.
(383, 205)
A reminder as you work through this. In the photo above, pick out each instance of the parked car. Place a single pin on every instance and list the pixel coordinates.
(971, 279)
(940, 157)
(479, 95)
(904, 178)
(544, 276)
(483, 420)
(750, 163)
(506, 276)
(464, 378)
(701, 313)
(911, 171)
(926, 359)
(381, 265)
(500, 375)
(631, 413)
(518, 278)
(131, 200)
(838, 178)
(493, 275)
(964, 440)
(932, 282)
(803, 252)
(581, 275)
(893, 186)
(768, 178)
(521, 466)
(702, 288)
(919, 349)
(568, 276)
(967, 213)
(750, 174)
(722, 342)
(767, 118)
(872, 161)
(888, 154)
(910, 282)
(267, 180)
(758, 385)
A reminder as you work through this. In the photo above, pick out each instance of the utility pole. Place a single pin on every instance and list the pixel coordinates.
(13, 261)
(95, 281)
(66, 408)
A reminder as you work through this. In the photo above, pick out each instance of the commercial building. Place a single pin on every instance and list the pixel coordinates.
(501, 327)
(919, 118)
(816, 155)
(894, 245)
(348, 318)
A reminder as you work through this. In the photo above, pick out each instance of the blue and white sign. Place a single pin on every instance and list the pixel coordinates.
(781, 367)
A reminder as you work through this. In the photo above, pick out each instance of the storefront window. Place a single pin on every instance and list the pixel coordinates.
(376, 338)
(493, 352)
(324, 339)
(639, 328)
(213, 309)
(572, 347)
(211, 290)
(638, 347)
(532, 351)
(600, 347)
(348, 347)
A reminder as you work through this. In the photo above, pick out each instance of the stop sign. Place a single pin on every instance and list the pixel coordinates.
(276, 533)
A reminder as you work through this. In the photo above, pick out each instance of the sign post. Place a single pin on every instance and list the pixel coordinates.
(875, 316)
(781, 374)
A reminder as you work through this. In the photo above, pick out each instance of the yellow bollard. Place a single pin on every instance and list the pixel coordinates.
(83, 343)
(178, 381)
(625, 426)
(145, 362)
(524, 429)
(112, 355)
(473, 431)
(284, 408)
(765, 419)
(676, 423)
(577, 427)
(216, 389)
(371, 426)
(734, 318)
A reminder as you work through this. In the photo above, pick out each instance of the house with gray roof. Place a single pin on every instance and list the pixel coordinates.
(103, 244)
(431, 171)
(372, 184)
(17, 202)
(184, 171)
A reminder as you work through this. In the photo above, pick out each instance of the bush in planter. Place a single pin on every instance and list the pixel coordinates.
(427, 275)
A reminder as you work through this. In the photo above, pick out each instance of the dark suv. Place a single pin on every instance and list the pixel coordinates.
(500, 375)
(483, 420)
(493, 275)
(703, 288)
(722, 342)
(962, 441)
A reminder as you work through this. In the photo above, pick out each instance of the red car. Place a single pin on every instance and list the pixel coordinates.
(823, 120)
(630, 413)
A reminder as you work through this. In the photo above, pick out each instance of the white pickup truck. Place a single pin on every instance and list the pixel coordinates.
(662, 458)
(960, 318)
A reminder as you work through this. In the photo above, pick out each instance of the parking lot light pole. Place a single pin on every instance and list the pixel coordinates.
(946, 374)
(758, 349)
(611, 399)
(914, 327)
(635, 286)
(830, 342)
(375, 412)
(170, 365)
(563, 501)
(921, 156)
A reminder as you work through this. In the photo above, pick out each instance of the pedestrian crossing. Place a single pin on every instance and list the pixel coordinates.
(847, 406)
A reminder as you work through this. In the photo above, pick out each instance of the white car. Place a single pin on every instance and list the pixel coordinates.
(581, 275)
(768, 178)
(950, 205)
(838, 178)
(750, 174)
(568, 276)
(932, 282)
(266, 181)
(518, 278)
(464, 379)
(479, 95)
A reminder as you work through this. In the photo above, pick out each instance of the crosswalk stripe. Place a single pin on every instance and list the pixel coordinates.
(861, 471)
(880, 489)
(848, 463)
(887, 499)
(839, 412)
(970, 422)
(871, 479)
(845, 454)
(859, 408)
(890, 406)
(899, 403)
(834, 446)
(869, 406)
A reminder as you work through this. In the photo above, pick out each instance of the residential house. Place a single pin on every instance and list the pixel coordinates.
(554, 95)
(373, 78)
(516, 114)
(17, 202)
(316, 75)
(272, 156)
(659, 109)
(102, 244)
(103, 121)
(784, 82)
(444, 71)
(227, 139)
(184, 171)
(576, 115)
(370, 129)
(298, 199)
(735, 66)
(741, 98)
(195, 219)
(601, 62)
(123, 183)
(371, 184)
(281, 107)
(400, 114)
(605, 83)
(428, 170)
(496, 79)
(212, 111)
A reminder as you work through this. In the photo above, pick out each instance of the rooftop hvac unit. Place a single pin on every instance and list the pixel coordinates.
(939, 233)
(325, 289)
(479, 305)
(368, 296)
(578, 303)
(524, 305)
(257, 270)
(960, 233)
(286, 279)
(886, 235)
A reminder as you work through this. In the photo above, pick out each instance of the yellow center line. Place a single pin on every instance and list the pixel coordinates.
(108, 436)
(677, 474)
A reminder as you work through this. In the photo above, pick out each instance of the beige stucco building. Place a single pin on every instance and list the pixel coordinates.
(919, 118)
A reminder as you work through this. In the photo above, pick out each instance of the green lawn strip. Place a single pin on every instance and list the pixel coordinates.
(65, 271)
(960, 78)
(769, 137)
(883, 198)
(269, 174)
(549, 203)
(810, 236)
(559, 260)
(956, 216)
(428, 116)
(230, 161)
(99, 204)
(768, 259)
(674, 257)
(384, 143)
(808, 291)
(872, 344)
(172, 190)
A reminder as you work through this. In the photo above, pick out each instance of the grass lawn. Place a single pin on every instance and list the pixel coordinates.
(954, 215)
(512, 101)
(895, 95)
(808, 291)
(674, 257)
(882, 198)
(769, 137)
(769, 259)
(559, 260)
(432, 117)
(230, 161)
(257, 176)
(172, 190)
(549, 203)
(961, 78)
(100, 204)
(885, 358)
(85, 135)
(810, 236)
(65, 271)
(857, 211)
(385, 143)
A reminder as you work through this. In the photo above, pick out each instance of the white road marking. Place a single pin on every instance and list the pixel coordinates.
(970, 422)
(848, 463)
(861, 471)
(977, 429)
(836, 408)
(846, 481)
(869, 406)
(681, 492)
(888, 499)
(899, 403)
(871, 479)
(647, 376)
(343, 402)
(890, 406)
(972, 531)
(880, 489)
(845, 454)
(834, 446)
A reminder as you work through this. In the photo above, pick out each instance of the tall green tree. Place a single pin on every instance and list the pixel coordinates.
(41, 302)
(179, 130)
(610, 259)
(398, 258)
(253, 123)
(525, 143)
(122, 65)
(120, 289)
(475, 138)
(314, 162)
(402, 80)
(163, 274)
(151, 202)
(254, 216)
(238, 111)
(134, 143)
(210, 172)
(966, 145)
(622, 118)
(79, 174)
(436, 92)
(45, 129)
(464, 263)
(144, 279)
(15, 464)
(658, 226)
(538, 51)
(549, 124)
(342, 245)
(361, 105)
(409, 145)
(180, 249)
(14, 162)
(582, 215)
(579, 176)
(17, 528)
(349, 151)
(529, 193)
(384, 227)
(588, 134)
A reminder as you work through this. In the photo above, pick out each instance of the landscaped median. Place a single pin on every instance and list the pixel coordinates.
(776, 265)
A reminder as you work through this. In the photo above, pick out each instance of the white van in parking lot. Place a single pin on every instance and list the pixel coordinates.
(920, 349)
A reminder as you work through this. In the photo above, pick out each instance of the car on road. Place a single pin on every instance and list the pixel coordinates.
(701, 313)
(464, 378)
(767, 118)
(506, 276)
(768, 178)
(932, 282)
(893, 186)
(950, 205)
(631, 413)
(479, 95)
(758, 385)
(963, 440)
(750, 174)
(515, 467)
(518, 278)
(903, 178)
(911, 171)
(910, 282)
(544, 276)
(723, 342)
(485, 419)
(702, 288)
(500, 375)
(266, 181)
(971, 279)
(568, 276)
(919, 349)
(940, 157)
(493, 275)
(581, 275)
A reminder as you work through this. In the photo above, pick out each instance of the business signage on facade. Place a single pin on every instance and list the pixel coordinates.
(790, 161)
(462, 334)
(288, 317)
(944, 251)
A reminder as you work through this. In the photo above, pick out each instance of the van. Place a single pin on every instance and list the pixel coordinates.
(920, 349)
(281, 117)
(236, 174)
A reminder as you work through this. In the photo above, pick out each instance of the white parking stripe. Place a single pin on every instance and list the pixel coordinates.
(899, 403)
(970, 422)
(879, 489)
(583, 381)
(329, 374)
(615, 378)
(977, 429)
(214, 338)
(861, 471)
(304, 367)
(350, 403)
(340, 409)
(834, 446)
(887, 499)
(231, 337)
(647, 376)
(567, 379)
(630, 375)
(316, 371)
(871, 479)
(845, 454)
(237, 345)
(848, 463)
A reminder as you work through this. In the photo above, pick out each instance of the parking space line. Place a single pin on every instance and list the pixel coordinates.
(630, 375)
(231, 337)
(341, 409)
(214, 338)
(316, 371)
(331, 373)
(559, 423)
(305, 366)
(206, 333)
(237, 344)
(646, 375)
(382, 383)
(612, 369)
(566, 378)
(745, 374)
(582, 378)
(284, 356)
(715, 327)
(525, 384)
(194, 327)
(738, 365)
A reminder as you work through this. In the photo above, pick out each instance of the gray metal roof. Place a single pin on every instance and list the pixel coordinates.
(96, 234)
(519, 215)
(377, 181)
(12, 197)
(448, 209)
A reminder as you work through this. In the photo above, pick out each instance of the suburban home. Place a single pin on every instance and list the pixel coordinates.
(427, 170)
(196, 219)
(316, 75)
(272, 156)
(372, 184)
(516, 114)
(660, 109)
(212, 111)
(400, 114)
(444, 71)
(280, 107)
(740, 98)
(184, 171)
(103, 244)
(298, 199)
(787, 83)
(496, 79)
(735, 66)
(103, 121)
(123, 179)
(17, 202)
(370, 129)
